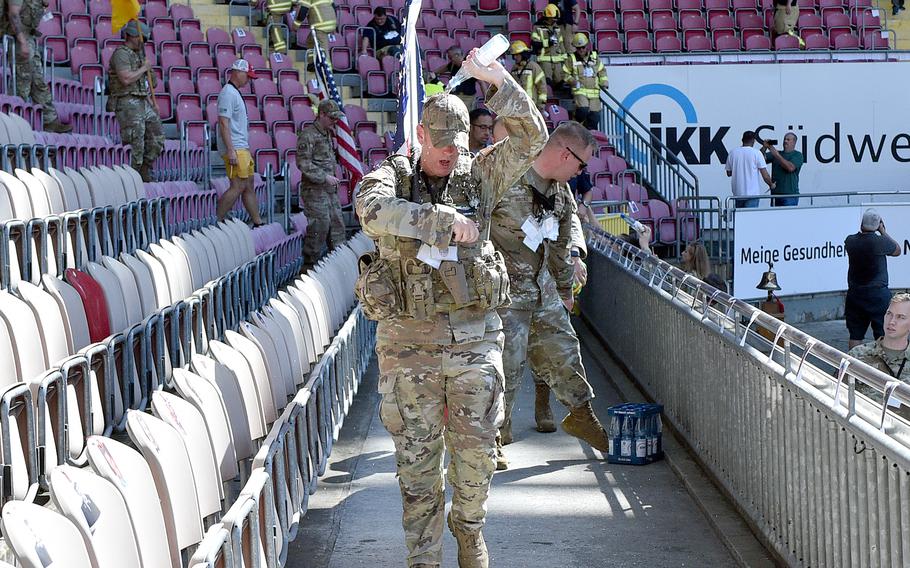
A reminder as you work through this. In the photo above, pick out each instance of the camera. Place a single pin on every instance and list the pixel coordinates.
(772, 142)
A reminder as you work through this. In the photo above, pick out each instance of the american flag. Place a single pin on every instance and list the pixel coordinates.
(410, 88)
(348, 155)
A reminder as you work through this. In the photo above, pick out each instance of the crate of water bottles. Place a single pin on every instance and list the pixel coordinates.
(635, 433)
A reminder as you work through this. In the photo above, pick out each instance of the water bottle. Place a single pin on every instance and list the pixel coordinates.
(634, 223)
(615, 433)
(652, 436)
(658, 428)
(625, 443)
(641, 439)
(490, 52)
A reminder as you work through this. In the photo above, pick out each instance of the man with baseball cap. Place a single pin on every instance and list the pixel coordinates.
(434, 284)
(316, 160)
(867, 277)
(131, 100)
(233, 143)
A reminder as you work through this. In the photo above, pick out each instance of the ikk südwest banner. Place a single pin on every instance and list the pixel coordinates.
(849, 118)
(806, 246)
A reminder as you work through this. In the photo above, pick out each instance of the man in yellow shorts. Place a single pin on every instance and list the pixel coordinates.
(234, 146)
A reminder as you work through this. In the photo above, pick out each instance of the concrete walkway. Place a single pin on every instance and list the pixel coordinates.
(559, 504)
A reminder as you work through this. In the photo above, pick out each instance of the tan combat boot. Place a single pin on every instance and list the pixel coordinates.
(542, 413)
(502, 463)
(583, 424)
(472, 550)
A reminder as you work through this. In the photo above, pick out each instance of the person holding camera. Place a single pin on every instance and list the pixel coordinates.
(868, 296)
(785, 167)
(746, 168)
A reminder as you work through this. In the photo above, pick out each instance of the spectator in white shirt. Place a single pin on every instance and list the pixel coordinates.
(747, 168)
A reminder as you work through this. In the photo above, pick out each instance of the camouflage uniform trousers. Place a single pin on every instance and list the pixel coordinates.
(323, 214)
(31, 84)
(417, 383)
(545, 337)
(140, 127)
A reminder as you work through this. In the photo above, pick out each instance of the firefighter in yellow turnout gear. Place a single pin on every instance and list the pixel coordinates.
(549, 45)
(528, 74)
(586, 74)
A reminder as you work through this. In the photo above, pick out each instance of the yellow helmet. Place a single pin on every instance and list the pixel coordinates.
(518, 46)
(580, 40)
(551, 11)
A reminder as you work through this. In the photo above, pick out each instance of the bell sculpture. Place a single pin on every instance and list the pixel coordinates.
(772, 305)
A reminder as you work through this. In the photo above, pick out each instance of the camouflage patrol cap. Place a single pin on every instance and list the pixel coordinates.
(329, 107)
(445, 119)
(133, 27)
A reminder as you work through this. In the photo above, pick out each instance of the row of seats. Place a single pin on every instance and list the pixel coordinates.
(152, 503)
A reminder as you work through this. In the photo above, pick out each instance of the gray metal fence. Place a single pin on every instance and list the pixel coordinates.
(821, 470)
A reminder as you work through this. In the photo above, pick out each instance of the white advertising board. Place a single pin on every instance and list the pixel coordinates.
(845, 116)
(806, 246)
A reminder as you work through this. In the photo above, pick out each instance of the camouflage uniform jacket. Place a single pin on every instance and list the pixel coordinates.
(125, 58)
(30, 15)
(874, 355)
(530, 270)
(315, 157)
(398, 216)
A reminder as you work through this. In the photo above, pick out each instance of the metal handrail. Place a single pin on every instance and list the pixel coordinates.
(752, 57)
(731, 312)
(659, 168)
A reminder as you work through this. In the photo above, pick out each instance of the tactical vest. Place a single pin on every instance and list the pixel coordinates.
(138, 88)
(321, 15)
(394, 283)
(30, 16)
(587, 71)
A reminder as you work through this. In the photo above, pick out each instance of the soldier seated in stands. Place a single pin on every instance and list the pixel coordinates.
(890, 352)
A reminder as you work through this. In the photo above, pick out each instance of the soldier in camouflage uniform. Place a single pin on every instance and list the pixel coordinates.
(439, 339)
(21, 20)
(318, 184)
(889, 353)
(131, 100)
(534, 228)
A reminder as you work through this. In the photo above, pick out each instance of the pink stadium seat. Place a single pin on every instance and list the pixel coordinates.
(181, 12)
(301, 111)
(215, 35)
(155, 9)
(278, 61)
(845, 41)
(190, 31)
(664, 26)
(786, 43)
(669, 45)
(727, 43)
(660, 8)
(370, 72)
(285, 135)
(164, 29)
(199, 55)
(698, 43)
(95, 305)
(357, 118)
(274, 109)
(875, 40)
(225, 55)
(171, 55)
(758, 43)
(639, 45)
(609, 45)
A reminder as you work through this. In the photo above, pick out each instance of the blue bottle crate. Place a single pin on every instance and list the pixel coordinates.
(635, 433)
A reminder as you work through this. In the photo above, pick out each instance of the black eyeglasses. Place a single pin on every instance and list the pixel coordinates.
(581, 163)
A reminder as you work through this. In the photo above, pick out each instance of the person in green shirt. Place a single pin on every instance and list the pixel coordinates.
(785, 168)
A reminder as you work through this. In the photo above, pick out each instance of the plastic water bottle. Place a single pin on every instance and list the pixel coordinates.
(652, 435)
(490, 52)
(625, 443)
(658, 441)
(634, 223)
(641, 439)
(615, 433)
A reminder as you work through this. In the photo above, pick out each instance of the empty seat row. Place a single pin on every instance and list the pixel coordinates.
(151, 498)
